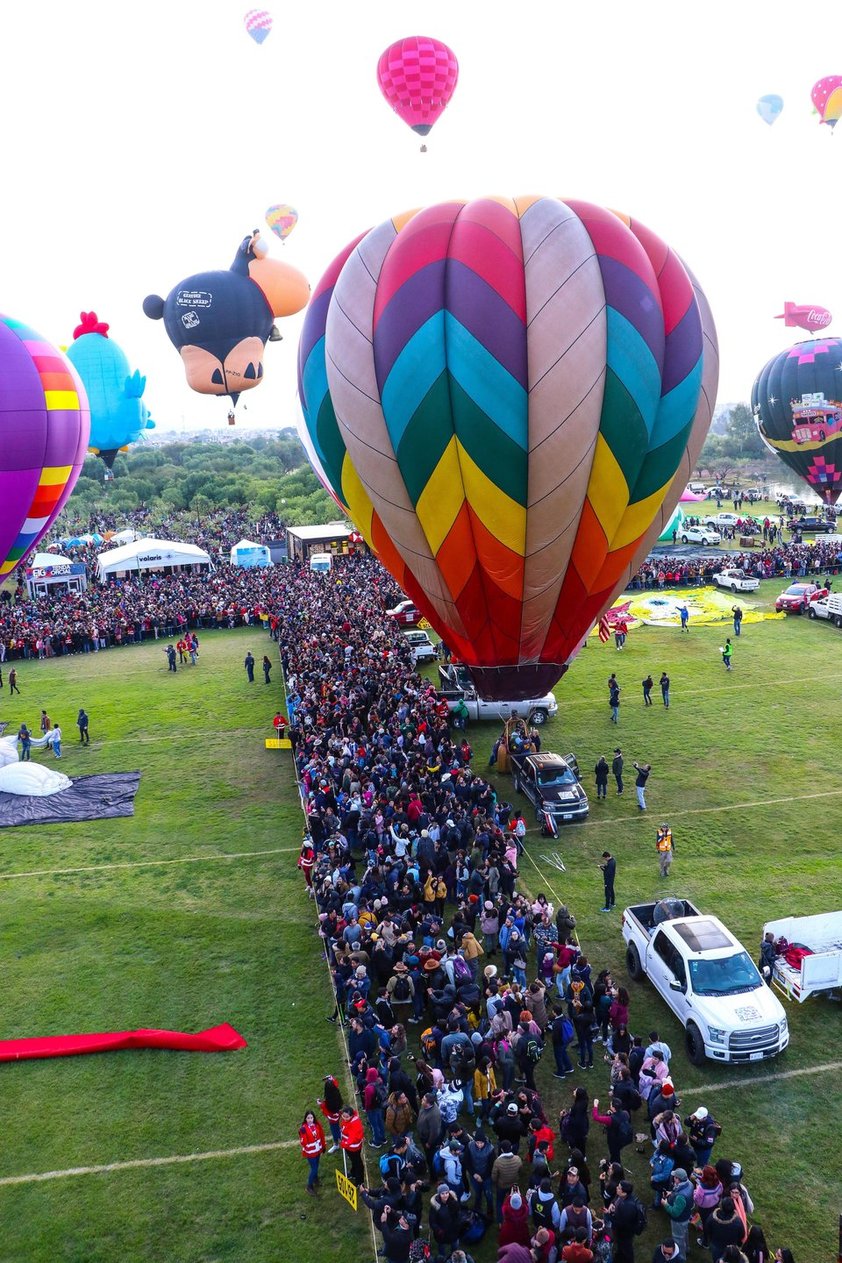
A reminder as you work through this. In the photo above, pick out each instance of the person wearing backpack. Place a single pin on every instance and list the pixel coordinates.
(543, 1206)
(662, 1164)
(561, 1033)
(702, 1131)
(679, 1207)
(628, 1217)
(400, 988)
(530, 1050)
(375, 1096)
(618, 1128)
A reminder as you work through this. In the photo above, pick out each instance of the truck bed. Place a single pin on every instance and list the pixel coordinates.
(644, 913)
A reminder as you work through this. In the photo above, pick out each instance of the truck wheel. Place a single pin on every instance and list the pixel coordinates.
(694, 1045)
(684, 539)
(812, 612)
(538, 718)
(734, 588)
(633, 965)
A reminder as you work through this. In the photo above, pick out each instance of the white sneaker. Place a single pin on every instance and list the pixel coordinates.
(333, 1148)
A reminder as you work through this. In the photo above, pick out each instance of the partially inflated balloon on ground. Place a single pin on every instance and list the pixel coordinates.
(118, 414)
(797, 404)
(44, 427)
(509, 396)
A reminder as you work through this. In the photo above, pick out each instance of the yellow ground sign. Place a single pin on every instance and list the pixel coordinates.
(347, 1188)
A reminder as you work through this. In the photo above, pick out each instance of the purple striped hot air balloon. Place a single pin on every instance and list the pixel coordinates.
(44, 429)
(509, 396)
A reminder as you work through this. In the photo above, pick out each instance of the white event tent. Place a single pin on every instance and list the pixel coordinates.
(150, 554)
(247, 554)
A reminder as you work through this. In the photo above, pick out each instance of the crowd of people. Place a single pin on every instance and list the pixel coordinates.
(457, 992)
(110, 614)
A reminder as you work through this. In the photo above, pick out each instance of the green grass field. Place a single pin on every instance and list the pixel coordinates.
(744, 767)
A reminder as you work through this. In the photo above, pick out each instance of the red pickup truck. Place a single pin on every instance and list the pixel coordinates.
(798, 597)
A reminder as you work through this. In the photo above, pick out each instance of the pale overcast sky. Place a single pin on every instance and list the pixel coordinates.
(143, 141)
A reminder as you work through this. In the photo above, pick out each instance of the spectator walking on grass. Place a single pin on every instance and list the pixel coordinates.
(647, 689)
(267, 668)
(54, 739)
(248, 663)
(170, 652)
(25, 739)
(614, 700)
(665, 847)
(82, 725)
(13, 682)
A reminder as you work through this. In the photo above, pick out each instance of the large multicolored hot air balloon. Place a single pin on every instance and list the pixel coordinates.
(115, 394)
(797, 405)
(417, 76)
(769, 107)
(826, 96)
(509, 396)
(258, 23)
(44, 427)
(220, 321)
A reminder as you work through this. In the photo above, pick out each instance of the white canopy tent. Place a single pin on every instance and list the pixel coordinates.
(248, 554)
(150, 554)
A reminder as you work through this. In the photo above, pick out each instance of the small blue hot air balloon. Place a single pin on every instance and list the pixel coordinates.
(769, 107)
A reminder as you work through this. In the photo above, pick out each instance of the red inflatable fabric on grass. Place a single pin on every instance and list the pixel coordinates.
(215, 1039)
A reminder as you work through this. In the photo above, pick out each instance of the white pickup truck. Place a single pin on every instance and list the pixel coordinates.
(708, 979)
(455, 685)
(821, 969)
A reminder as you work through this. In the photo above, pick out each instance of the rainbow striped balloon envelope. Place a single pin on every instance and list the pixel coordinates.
(508, 396)
(44, 429)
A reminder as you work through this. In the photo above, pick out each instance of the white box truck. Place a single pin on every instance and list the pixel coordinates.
(819, 968)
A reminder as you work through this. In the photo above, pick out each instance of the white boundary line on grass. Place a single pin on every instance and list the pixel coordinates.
(135, 1163)
(187, 859)
(766, 1078)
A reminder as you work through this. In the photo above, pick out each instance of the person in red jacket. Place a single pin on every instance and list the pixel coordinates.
(351, 1141)
(311, 1137)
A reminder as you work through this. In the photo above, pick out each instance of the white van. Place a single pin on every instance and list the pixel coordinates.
(320, 563)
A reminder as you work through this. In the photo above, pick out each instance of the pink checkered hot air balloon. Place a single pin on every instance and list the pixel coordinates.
(417, 76)
(44, 430)
(258, 24)
(827, 98)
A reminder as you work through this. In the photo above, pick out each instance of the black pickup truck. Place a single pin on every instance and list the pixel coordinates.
(551, 783)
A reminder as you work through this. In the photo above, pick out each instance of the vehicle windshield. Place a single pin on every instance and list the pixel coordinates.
(556, 776)
(795, 589)
(730, 975)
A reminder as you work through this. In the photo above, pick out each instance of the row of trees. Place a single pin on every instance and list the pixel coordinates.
(265, 474)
